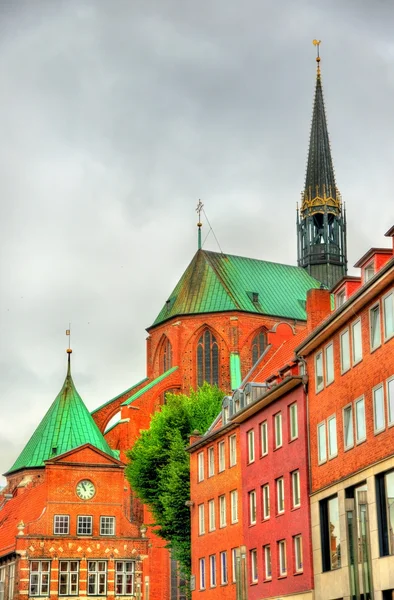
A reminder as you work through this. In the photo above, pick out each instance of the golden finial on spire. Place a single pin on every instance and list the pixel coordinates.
(68, 332)
(317, 44)
(199, 208)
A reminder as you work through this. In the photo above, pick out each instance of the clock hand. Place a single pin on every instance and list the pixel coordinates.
(83, 485)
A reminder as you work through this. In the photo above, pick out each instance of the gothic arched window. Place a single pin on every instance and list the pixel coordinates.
(166, 356)
(258, 346)
(207, 359)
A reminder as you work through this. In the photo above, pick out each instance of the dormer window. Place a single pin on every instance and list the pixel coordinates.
(369, 272)
(340, 298)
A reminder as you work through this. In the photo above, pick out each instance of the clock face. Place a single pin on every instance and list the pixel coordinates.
(85, 489)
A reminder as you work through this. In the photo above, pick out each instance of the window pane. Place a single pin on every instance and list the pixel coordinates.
(329, 364)
(378, 408)
(374, 317)
(356, 342)
(333, 533)
(319, 371)
(390, 399)
(389, 481)
(348, 426)
(267, 561)
(264, 438)
(278, 430)
(321, 440)
(293, 422)
(345, 354)
(388, 305)
(360, 420)
(332, 437)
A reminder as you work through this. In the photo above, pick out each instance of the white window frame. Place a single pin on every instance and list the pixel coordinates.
(40, 577)
(298, 554)
(61, 524)
(345, 351)
(388, 334)
(11, 581)
(221, 456)
(252, 507)
(332, 453)
(125, 578)
(375, 307)
(70, 578)
(265, 492)
(390, 397)
(282, 558)
(329, 369)
(223, 568)
(201, 519)
(99, 580)
(251, 450)
(319, 371)
(234, 564)
(264, 437)
(233, 450)
(211, 515)
(376, 389)
(296, 489)
(293, 421)
(357, 338)
(340, 298)
(211, 461)
(278, 430)
(253, 565)
(369, 271)
(321, 443)
(267, 561)
(83, 520)
(348, 407)
(202, 573)
(360, 439)
(222, 511)
(200, 466)
(280, 496)
(107, 526)
(212, 570)
(234, 506)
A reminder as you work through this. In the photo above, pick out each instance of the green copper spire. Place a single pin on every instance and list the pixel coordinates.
(67, 425)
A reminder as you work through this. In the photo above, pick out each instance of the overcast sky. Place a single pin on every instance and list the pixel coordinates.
(116, 117)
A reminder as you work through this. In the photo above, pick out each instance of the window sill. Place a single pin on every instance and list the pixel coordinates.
(294, 508)
(267, 580)
(282, 576)
(296, 573)
(293, 440)
(254, 582)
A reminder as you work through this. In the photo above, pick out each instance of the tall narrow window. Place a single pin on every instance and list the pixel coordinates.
(378, 409)
(319, 371)
(293, 421)
(332, 436)
(267, 562)
(124, 577)
(250, 436)
(221, 456)
(212, 570)
(234, 506)
(345, 351)
(211, 515)
(388, 308)
(165, 356)
(264, 438)
(295, 488)
(280, 495)
(202, 573)
(298, 564)
(329, 356)
(357, 348)
(258, 346)
(200, 461)
(39, 578)
(374, 327)
(207, 359)
(265, 491)
(252, 507)
(201, 519)
(278, 430)
(223, 568)
(233, 450)
(222, 511)
(321, 442)
(282, 558)
(330, 534)
(390, 399)
(361, 431)
(253, 565)
(211, 461)
(348, 427)
(385, 511)
(234, 563)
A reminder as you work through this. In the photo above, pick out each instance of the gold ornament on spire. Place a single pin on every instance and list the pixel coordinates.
(317, 44)
(68, 333)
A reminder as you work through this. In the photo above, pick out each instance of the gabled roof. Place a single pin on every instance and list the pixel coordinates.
(67, 425)
(283, 356)
(149, 386)
(217, 282)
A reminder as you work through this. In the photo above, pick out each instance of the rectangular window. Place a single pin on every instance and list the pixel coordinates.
(253, 565)
(97, 578)
(124, 577)
(267, 562)
(293, 411)
(212, 570)
(222, 456)
(264, 438)
(11, 581)
(278, 430)
(385, 512)
(201, 519)
(390, 400)
(368, 272)
(223, 568)
(374, 327)
(329, 358)
(345, 351)
(39, 578)
(321, 442)
(361, 431)
(211, 515)
(61, 524)
(332, 436)
(348, 427)
(357, 345)
(280, 495)
(234, 506)
(84, 525)
(200, 460)
(282, 558)
(211, 461)
(250, 436)
(107, 525)
(388, 318)
(233, 450)
(252, 507)
(319, 371)
(330, 534)
(340, 298)
(295, 487)
(234, 564)
(202, 573)
(298, 564)
(68, 577)
(265, 492)
(222, 511)
(378, 409)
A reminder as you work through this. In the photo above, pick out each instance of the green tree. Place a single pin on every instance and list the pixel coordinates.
(159, 467)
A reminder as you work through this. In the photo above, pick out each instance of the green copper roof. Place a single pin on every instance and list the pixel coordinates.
(149, 386)
(215, 282)
(235, 370)
(67, 425)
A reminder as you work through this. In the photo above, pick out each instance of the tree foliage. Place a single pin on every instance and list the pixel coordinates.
(159, 468)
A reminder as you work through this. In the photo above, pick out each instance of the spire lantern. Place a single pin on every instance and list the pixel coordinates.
(320, 223)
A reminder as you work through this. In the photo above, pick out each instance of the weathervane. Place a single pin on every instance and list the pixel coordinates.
(68, 333)
(199, 209)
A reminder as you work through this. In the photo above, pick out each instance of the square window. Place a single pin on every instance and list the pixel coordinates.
(293, 421)
(345, 351)
(278, 430)
(357, 347)
(378, 409)
(319, 371)
(107, 525)
(84, 525)
(61, 525)
(321, 443)
(264, 438)
(374, 327)
(329, 356)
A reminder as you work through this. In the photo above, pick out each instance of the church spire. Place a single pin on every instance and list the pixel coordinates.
(320, 224)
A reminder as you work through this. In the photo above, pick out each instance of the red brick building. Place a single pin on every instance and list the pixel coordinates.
(350, 363)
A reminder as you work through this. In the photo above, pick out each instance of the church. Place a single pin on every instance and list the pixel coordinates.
(69, 523)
